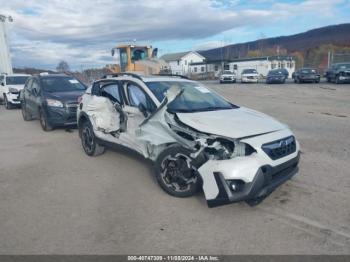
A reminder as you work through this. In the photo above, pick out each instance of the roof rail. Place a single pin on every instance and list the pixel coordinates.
(180, 76)
(122, 74)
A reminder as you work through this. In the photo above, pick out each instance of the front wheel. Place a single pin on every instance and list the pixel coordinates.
(337, 80)
(25, 114)
(7, 104)
(88, 140)
(43, 121)
(176, 173)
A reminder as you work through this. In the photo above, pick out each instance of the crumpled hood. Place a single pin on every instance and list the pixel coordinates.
(233, 123)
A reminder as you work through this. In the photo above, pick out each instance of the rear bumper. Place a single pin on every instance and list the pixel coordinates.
(265, 181)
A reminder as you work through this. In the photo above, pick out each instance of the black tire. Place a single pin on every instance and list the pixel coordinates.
(175, 172)
(7, 104)
(25, 114)
(88, 140)
(43, 121)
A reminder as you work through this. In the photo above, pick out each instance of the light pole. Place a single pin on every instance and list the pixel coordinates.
(5, 59)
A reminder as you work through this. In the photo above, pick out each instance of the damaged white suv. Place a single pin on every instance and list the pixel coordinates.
(195, 137)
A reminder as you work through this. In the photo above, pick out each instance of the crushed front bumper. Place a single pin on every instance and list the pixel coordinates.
(265, 181)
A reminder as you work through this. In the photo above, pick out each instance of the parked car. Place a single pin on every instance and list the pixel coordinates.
(249, 76)
(10, 87)
(227, 77)
(51, 98)
(303, 75)
(195, 137)
(338, 73)
(275, 76)
(284, 72)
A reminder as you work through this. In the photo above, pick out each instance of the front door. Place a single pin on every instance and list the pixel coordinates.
(135, 96)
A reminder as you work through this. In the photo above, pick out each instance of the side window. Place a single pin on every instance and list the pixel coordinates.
(111, 91)
(36, 87)
(28, 85)
(138, 96)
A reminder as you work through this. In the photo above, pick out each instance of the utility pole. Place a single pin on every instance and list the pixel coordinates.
(5, 59)
(329, 59)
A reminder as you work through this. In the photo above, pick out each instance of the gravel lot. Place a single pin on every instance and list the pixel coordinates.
(56, 200)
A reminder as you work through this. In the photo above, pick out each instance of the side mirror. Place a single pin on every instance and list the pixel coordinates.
(3, 84)
(143, 109)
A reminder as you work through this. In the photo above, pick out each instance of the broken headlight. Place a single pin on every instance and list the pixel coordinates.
(221, 149)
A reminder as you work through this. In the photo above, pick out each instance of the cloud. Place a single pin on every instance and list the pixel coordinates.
(83, 31)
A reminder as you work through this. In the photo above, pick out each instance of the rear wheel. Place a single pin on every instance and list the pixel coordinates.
(88, 140)
(43, 121)
(176, 173)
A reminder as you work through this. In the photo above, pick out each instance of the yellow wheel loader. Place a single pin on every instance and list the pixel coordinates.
(139, 59)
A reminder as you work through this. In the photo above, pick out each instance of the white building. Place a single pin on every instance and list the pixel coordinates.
(5, 59)
(179, 62)
(262, 64)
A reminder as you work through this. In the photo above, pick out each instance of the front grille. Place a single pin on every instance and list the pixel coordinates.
(72, 107)
(227, 78)
(280, 148)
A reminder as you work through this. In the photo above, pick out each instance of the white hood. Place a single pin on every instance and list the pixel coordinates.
(252, 74)
(18, 87)
(233, 123)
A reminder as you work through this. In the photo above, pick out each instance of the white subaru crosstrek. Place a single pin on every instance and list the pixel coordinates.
(10, 87)
(195, 137)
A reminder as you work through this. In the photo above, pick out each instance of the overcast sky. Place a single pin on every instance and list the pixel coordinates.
(82, 32)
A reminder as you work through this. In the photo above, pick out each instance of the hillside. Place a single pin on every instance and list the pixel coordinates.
(303, 43)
